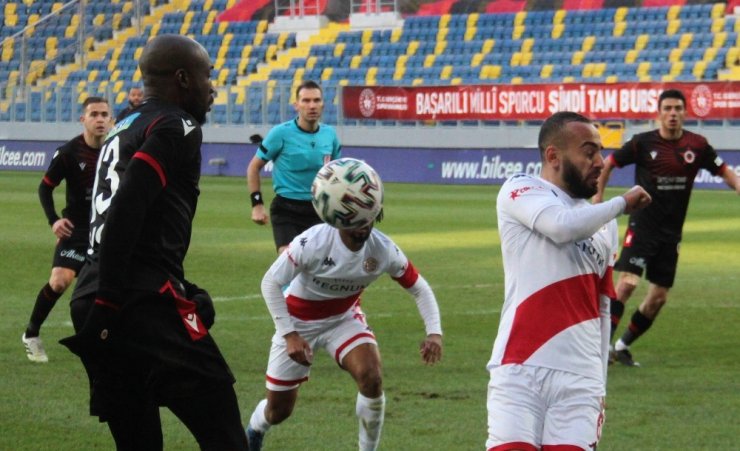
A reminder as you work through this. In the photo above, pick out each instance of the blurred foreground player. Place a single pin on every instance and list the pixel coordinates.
(73, 162)
(142, 328)
(548, 365)
(326, 270)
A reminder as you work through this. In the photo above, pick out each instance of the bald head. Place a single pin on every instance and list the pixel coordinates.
(177, 69)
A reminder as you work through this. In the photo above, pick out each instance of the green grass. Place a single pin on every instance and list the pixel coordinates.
(686, 395)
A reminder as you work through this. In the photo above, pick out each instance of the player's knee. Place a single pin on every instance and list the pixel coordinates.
(370, 382)
(59, 284)
(626, 285)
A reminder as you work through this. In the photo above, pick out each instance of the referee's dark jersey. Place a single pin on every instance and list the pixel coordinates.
(666, 169)
(144, 202)
(74, 162)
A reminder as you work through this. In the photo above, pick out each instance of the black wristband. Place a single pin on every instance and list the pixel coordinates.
(256, 198)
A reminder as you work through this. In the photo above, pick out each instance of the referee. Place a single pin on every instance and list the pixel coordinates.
(298, 149)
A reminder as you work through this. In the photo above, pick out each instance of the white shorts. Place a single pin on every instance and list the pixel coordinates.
(338, 335)
(541, 406)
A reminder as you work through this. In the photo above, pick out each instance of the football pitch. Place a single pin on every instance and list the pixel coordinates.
(686, 395)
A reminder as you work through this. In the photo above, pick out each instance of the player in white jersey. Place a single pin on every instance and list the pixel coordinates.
(327, 270)
(548, 366)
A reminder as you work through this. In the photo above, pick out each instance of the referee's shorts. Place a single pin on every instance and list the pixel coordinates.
(290, 218)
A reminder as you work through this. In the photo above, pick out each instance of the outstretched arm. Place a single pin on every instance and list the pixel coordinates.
(728, 175)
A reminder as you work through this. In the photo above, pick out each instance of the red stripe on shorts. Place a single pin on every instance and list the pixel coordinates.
(312, 310)
(349, 342)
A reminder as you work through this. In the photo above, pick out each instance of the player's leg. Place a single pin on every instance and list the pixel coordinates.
(213, 417)
(363, 363)
(354, 348)
(284, 377)
(68, 259)
(661, 272)
(575, 412)
(631, 264)
(137, 426)
(515, 410)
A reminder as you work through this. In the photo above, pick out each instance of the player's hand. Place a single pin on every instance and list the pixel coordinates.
(203, 303)
(637, 199)
(62, 228)
(298, 349)
(95, 335)
(431, 349)
(259, 216)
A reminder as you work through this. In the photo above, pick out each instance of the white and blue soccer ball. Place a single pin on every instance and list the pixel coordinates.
(347, 193)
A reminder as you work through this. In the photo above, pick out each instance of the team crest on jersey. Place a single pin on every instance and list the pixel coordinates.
(370, 265)
(689, 156)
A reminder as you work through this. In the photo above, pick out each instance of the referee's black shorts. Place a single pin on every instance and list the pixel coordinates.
(290, 218)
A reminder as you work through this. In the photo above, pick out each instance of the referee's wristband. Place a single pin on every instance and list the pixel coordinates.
(256, 198)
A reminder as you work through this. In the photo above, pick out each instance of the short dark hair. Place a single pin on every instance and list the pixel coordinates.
(671, 94)
(307, 84)
(93, 99)
(552, 128)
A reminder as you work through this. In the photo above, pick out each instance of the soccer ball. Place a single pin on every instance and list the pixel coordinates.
(347, 193)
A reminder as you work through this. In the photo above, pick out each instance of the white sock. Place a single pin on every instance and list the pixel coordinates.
(370, 412)
(258, 422)
(620, 346)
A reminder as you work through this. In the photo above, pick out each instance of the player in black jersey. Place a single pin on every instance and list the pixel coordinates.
(141, 326)
(666, 163)
(73, 163)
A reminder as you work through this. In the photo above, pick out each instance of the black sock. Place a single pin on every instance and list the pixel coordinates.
(45, 301)
(638, 326)
(617, 310)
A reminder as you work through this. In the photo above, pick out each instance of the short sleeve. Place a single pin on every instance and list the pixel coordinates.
(272, 145)
(523, 198)
(170, 144)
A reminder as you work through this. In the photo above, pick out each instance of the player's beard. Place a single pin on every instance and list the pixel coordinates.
(578, 186)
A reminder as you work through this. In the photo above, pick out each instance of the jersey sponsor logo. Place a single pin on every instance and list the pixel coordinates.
(370, 265)
(71, 253)
(519, 191)
(587, 247)
(187, 126)
(123, 125)
(689, 156)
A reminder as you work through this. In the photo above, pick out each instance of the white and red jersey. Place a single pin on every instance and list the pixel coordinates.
(326, 278)
(557, 255)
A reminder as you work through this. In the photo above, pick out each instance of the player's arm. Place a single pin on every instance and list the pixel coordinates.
(603, 179)
(61, 227)
(254, 185)
(281, 273)
(431, 348)
(731, 179)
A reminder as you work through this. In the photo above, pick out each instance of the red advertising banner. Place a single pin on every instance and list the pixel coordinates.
(711, 100)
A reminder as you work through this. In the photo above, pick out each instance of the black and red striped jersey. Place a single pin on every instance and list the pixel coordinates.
(144, 200)
(666, 169)
(74, 163)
